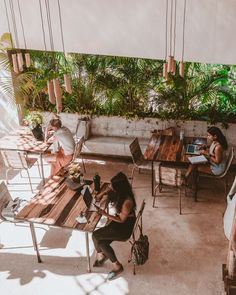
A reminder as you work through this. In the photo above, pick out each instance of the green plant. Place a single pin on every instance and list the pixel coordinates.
(33, 119)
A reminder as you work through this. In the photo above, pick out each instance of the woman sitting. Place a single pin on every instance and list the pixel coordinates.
(121, 226)
(215, 153)
(65, 145)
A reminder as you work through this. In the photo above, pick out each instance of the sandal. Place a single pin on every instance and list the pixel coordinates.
(114, 273)
(99, 263)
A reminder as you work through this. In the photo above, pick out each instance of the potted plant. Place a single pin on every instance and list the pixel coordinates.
(34, 120)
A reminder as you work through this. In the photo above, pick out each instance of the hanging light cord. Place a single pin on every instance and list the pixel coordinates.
(167, 4)
(174, 28)
(14, 22)
(42, 24)
(62, 35)
(49, 24)
(171, 16)
(184, 21)
(8, 22)
(21, 21)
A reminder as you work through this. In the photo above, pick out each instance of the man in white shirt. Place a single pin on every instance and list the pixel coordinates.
(65, 145)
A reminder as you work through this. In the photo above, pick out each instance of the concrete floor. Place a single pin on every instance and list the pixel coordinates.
(186, 252)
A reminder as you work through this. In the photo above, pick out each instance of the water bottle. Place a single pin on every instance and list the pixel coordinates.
(96, 180)
(181, 134)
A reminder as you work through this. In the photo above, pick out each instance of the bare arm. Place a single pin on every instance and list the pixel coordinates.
(99, 196)
(217, 157)
(123, 215)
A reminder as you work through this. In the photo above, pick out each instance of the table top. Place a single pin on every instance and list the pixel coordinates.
(162, 148)
(58, 205)
(23, 140)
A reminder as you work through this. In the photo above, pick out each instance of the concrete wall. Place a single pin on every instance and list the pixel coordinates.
(118, 126)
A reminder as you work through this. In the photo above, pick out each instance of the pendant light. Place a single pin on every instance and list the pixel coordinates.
(17, 60)
(55, 81)
(170, 63)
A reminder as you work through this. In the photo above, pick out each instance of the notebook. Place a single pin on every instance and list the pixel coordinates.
(192, 149)
(89, 200)
(198, 159)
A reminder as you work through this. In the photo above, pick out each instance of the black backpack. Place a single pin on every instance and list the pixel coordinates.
(139, 249)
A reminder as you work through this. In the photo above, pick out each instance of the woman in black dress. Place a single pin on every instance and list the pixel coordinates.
(121, 226)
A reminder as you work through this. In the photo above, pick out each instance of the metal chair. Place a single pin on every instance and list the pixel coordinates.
(223, 176)
(137, 157)
(167, 176)
(77, 152)
(138, 222)
(16, 160)
(8, 207)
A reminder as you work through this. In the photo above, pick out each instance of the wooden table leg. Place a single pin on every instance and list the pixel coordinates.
(87, 252)
(35, 241)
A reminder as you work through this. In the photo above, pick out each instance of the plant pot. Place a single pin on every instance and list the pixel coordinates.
(38, 132)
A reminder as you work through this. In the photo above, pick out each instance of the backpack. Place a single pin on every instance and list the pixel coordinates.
(140, 249)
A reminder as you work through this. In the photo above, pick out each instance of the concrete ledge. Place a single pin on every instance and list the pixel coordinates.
(111, 145)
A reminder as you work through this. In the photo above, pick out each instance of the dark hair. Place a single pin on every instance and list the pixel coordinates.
(123, 190)
(56, 123)
(215, 131)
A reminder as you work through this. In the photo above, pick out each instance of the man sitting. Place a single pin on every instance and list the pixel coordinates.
(64, 145)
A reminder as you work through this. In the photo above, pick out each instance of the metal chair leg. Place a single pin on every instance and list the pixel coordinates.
(40, 175)
(180, 201)
(154, 199)
(196, 180)
(7, 170)
(29, 180)
(132, 175)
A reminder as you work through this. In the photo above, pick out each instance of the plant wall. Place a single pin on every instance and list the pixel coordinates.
(132, 87)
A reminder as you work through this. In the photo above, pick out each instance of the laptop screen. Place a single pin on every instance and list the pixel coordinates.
(192, 149)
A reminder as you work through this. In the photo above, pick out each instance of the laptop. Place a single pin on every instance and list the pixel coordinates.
(89, 200)
(192, 149)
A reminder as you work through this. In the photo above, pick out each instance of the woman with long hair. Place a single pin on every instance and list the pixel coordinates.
(121, 226)
(215, 154)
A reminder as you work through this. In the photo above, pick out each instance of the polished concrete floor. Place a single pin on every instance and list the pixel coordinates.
(186, 251)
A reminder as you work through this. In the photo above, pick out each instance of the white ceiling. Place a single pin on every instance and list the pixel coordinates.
(129, 27)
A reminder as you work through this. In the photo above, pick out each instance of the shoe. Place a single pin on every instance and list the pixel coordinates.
(99, 263)
(114, 273)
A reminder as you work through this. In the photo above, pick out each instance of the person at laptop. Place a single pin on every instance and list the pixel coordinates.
(121, 225)
(215, 154)
(64, 142)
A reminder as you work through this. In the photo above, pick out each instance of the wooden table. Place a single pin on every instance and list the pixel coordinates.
(58, 205)
(168, 150)
(23, 140)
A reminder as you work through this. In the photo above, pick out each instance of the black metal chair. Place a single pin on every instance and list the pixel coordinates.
(138, 159)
